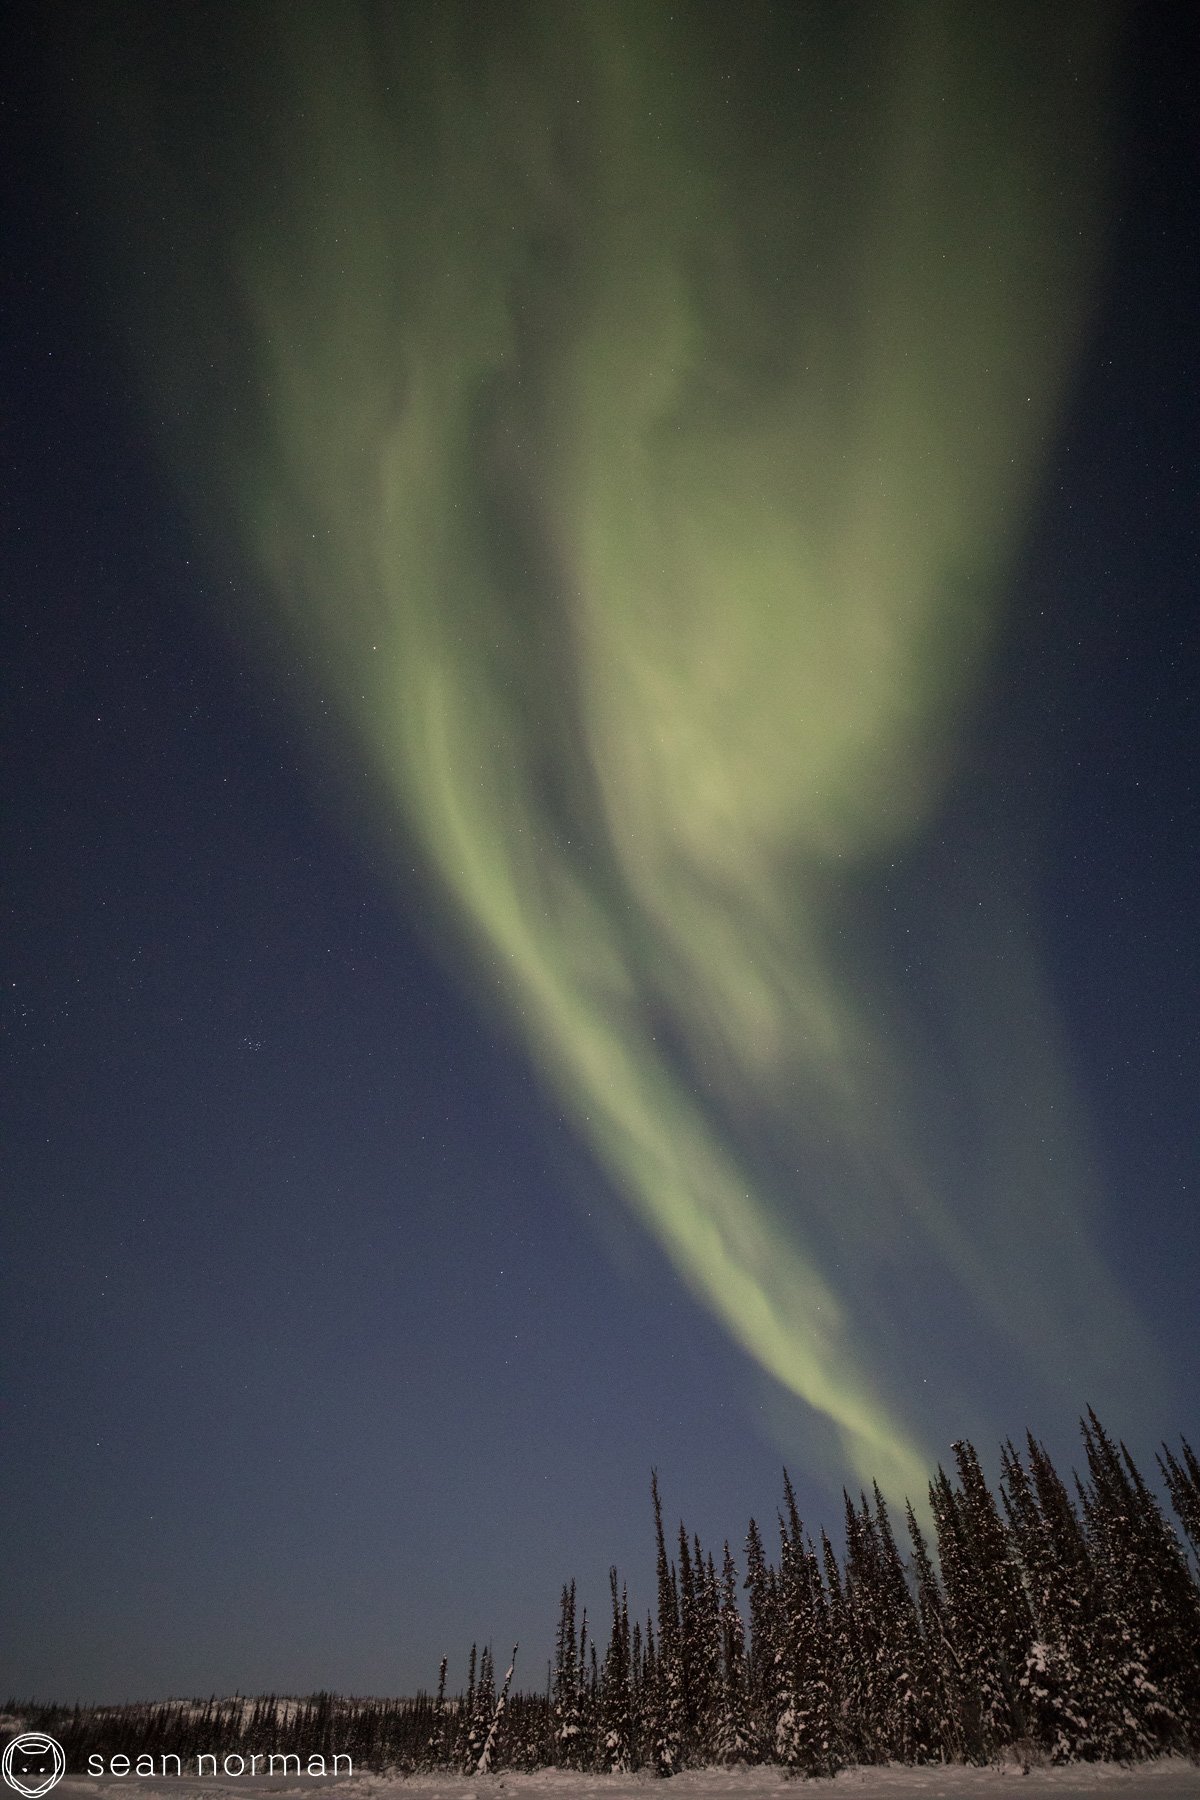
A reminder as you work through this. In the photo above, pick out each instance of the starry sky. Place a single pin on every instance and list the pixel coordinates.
(600, 841)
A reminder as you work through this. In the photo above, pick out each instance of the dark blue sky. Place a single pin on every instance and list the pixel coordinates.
(326, 1348)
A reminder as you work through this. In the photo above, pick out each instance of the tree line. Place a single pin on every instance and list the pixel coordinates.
(1050, 1622)
(1062, 1626)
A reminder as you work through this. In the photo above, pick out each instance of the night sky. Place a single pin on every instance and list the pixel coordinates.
(600, 766)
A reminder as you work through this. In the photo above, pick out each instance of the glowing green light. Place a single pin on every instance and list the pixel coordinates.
(638, 457)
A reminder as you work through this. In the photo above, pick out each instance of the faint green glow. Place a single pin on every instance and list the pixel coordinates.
(636, 430)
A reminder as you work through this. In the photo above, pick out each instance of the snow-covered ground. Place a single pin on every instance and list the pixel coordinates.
(1172, 1778)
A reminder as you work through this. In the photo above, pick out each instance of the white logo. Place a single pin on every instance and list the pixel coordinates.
(33, 1763)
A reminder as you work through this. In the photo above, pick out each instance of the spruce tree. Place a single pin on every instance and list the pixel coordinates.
(589, 1706)
(819, 1728)
(840, 1654)
(436, 1746)
(984, 1719)
(735, 1739)
(566, 1685)
(1183, 1485)
(689, 1647)
(466, 1714)
(907, 1686)
(1125, 1708)
(999, 1583)
(616, 1728)
(860, 1657)
(480, 1706)
(637, 1692)
(1052, 1554)
(647, 1720)
(1151, 1610)
(668, 1710)
(760, 1661)
(491, 1743)
(805, 1737)
(708, 1694)
(941, 1658)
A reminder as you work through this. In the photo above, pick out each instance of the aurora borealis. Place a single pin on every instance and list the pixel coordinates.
(660, 651)
(621, 426)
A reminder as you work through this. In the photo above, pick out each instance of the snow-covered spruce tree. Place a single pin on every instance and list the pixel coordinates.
(547, 1748)
(1053, 1557)
(999, 1578)
(786, 1747)
(1150, 1616)
(804, 1728)
(760, 1659)
(906, 1687)
(861, 1651)
(647, 1715)
(706, 1699)
(490, 1752)
(688, 1648)
(466, 1713)
(615, 1736)
(589, 1707)
(1174, 1605)
(1126, 1714)
(565, 1688)
(637, 1690)
(472, 1725)
(735, 1740)
(715, 1641)
(819, 1726)
(941, 1658)
(985, 1721)
(483, 1705)
(1076, 1592)
(438, 1742)
(586, 1698)
(841, 1653)
(668, 1716)
(888, 1678)
(524, 1740)
(1183, 1484)
(528, 1729)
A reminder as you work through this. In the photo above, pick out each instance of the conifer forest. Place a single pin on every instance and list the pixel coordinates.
(1054, 1621)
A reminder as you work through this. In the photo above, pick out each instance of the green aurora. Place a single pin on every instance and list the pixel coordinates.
(634, 412)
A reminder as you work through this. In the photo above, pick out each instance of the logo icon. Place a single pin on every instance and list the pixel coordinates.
(33, 1763)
